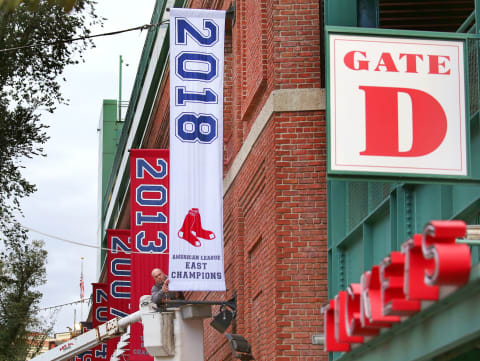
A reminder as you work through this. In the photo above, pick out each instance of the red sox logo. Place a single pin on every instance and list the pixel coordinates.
(192, 229)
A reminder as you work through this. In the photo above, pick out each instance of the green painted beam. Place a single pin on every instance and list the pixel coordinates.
(341, 12)
(111, 130)
(337, 215)
(446, 325)
(477, 16)
(363, 13)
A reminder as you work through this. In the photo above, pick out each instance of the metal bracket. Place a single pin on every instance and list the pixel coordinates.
(472, 237)
(232, 303)
(231, 13)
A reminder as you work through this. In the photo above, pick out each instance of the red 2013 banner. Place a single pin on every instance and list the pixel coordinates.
(149, 202)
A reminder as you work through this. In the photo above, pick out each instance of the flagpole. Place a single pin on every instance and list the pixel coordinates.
(82, 290)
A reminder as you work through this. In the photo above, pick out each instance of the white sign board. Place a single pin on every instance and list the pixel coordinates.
(197, 39)
(397, 106)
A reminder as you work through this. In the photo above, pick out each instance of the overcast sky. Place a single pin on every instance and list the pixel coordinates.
(65, 204)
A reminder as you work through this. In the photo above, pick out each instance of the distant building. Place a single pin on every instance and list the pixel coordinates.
(41, 343)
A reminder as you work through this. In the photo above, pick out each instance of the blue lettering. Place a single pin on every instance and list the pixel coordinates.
(84, 356)
(100, 295)
(117, 313)
(141, 219)
(151, 246)
(115, 267)
(102, 352)
(101, 314)
(207, 96)
(187, 58)
(116, 293)
(196, 128)
(143, 166)
(184, 27)
(158, 189)
(118, 245)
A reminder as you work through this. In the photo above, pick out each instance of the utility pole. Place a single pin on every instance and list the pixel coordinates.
(119, 118)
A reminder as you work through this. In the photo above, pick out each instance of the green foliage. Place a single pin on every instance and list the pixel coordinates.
(35, 32)
(20, 134)
(22, 266)
(11, 5)
(29, 82)
(29, 76)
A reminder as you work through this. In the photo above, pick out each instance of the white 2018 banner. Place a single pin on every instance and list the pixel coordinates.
(196, 150)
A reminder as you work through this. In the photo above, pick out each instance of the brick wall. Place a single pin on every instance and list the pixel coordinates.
(297, 44)
(301, 233)
(275, 213)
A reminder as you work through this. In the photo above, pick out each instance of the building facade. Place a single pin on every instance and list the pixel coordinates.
(281, 260)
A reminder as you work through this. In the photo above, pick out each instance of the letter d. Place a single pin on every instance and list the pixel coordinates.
(429, 122)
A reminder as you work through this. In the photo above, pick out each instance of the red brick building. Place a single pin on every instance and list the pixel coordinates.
(275, 218)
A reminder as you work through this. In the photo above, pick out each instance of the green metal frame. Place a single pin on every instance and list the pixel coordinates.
(111, 129)
(473, 165)
(368, 219)
(341, 12)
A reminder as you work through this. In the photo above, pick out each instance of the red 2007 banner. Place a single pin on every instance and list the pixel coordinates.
(118, 278)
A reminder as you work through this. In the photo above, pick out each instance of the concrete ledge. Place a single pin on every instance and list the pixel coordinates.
(196, 312)
(283, 100)
(294, 100)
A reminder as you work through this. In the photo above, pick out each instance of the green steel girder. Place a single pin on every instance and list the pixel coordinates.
(363, 13)
(446, 325)
(341, 12)
(448, 329)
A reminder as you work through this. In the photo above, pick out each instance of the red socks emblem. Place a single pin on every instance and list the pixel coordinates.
(192, 229)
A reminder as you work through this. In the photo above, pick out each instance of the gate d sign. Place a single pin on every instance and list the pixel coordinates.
(397, 106)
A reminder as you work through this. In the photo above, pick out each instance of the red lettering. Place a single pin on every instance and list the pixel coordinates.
(358, 60)
(352, 313)
(396, 287)
(393, 296)
(381, 113)
(415, 267)
(341, 334)
(435, 64)
(349, 60)
(387, 62)
(411, 61)
(331, 344)
(371, 302)
(452, 260)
